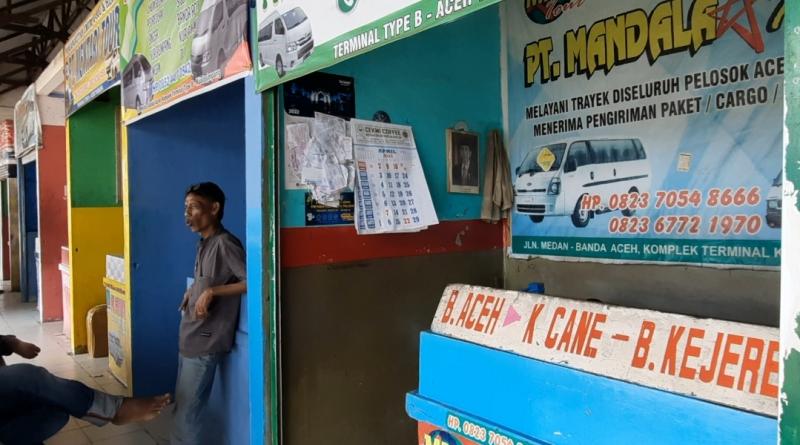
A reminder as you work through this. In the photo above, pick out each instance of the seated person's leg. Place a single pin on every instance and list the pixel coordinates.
(38, 386)
(32, 426)
(29, 385)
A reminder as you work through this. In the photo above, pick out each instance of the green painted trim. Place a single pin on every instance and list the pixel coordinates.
(789, 425)
(789, 421)
(792, 93)
(271, 177)
(690, 251)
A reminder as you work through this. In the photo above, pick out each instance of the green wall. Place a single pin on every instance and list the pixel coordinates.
(93, 154)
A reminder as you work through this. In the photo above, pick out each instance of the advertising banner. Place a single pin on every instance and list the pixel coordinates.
(91, 56)
(27, 123)
(646, 131)
(318, 214)
(733, 364)
(428, 434)
(173, 50)
(119, 333)
(295, 37)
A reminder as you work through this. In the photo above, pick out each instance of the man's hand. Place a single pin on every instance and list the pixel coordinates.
(26, 350)
(203, 303)
(185, 302)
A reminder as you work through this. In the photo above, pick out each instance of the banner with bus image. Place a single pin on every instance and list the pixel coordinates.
(293, 38)
(174, 50)
(646, 131)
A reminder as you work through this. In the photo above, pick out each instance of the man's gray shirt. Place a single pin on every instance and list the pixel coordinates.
(220, 260)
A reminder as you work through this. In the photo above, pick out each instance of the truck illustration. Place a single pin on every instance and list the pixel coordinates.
(553, 179)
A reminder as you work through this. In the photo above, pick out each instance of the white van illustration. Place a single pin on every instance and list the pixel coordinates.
(284, 40)
(137, 83)
(553, 179)
(220, 29)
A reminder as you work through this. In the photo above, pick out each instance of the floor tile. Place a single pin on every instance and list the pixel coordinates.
(160, 427)
(74, 437)
(71, 425)
(136, 438)
(97, 433)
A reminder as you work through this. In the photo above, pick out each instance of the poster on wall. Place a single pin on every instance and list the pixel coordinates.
(91, 56)
(8, 162)
(328, 94)
(646, 131)
(27, 124)
(319, 214)
(295, 37)
(174, 50)
(320, 93)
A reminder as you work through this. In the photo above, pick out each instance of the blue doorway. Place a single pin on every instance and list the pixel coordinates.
(30, 232)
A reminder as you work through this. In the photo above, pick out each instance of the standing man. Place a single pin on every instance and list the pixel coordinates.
(210, 308)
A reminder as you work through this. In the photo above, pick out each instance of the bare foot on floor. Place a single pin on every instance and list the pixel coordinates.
(26, 350)
(139, 410)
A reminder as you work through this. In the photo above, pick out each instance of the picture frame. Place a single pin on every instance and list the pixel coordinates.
(463, 161)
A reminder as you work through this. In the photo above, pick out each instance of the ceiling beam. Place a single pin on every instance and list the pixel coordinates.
(34, 62)
(17, 49)
(38, 30)
(27, 16)
(14, 82)
(12, 72)
(11, 36)
(5, 78)
(10, 6)
(7, 89)
(49, 30)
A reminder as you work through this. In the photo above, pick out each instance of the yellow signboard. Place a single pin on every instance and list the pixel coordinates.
(91, 56)
(546, 159)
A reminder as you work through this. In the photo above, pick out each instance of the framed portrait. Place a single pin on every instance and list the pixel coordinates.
(463, 174)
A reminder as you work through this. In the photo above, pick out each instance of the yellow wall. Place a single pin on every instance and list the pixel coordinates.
(126, 225)
(96, 226)
(94, 232)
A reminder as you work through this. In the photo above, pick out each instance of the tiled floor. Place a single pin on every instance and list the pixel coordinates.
(21, 319)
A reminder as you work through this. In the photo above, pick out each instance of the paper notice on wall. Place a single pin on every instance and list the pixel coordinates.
(297, 137)
(298, 131)
(318, 156)
(326, 159)
(391, 191)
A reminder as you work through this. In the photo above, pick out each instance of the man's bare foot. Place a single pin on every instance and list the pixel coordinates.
(26, 350)
(139, 410)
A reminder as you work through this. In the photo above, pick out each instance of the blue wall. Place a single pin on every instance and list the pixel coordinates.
(30, 285)
(558, 405)
(431, 81)
(259, 223)
(198, 140)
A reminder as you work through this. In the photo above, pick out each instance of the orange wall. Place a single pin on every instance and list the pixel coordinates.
(53, 216)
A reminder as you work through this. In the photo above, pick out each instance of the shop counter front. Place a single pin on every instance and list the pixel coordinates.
(510, 368)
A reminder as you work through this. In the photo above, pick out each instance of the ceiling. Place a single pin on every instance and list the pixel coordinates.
(30, 33)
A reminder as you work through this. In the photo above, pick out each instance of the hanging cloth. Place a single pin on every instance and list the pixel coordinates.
(498, 197)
